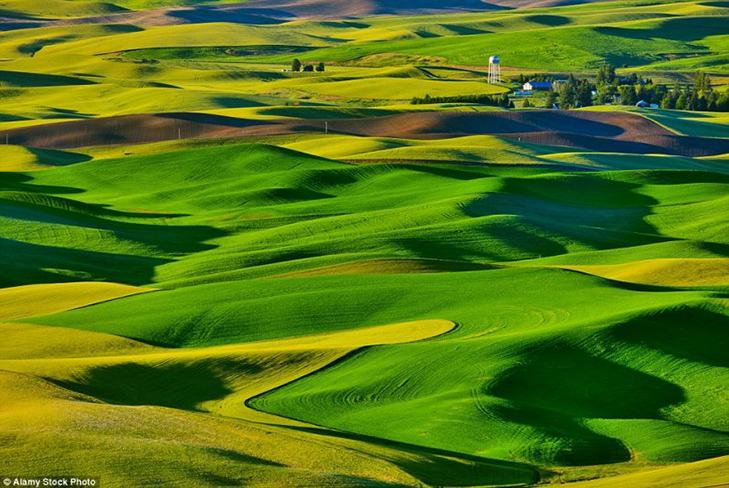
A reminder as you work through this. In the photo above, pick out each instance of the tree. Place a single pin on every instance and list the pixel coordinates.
(682, 102)
(320, 67)
(551, 99)
(296, 65)
(526, 103)
(309, 67)
(702, 81)
(606, 74)
(606, 93)
(644, 93)
(504, 101)
(669, 100)
(659, 94)
(699, 80)
(628, 95)
(584, 93)
(722, 102)
(567, 97)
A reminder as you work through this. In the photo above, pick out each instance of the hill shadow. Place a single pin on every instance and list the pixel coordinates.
(444, 467)
(554, 387)
(21, 182)
(30, 80)
(12, 118)
(27, 264)
(237, 15)
(578, 208)
(50, 157)
(689, 332)
(687, 29)
(175, 385)
(549, 20)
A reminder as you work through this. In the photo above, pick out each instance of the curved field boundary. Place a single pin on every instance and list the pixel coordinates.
(674, 272)
(35, 300)
(701, 474)
(194, 383)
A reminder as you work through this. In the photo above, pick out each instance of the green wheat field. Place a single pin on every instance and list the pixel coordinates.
(306, 243)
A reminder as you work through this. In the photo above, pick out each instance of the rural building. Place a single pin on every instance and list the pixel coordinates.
(642, 104)
(537, 85)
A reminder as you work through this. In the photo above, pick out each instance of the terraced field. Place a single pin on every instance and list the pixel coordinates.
(216, 272)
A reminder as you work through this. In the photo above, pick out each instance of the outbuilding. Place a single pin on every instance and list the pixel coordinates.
(537, 85)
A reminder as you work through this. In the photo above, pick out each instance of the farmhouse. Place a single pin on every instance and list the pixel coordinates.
(537, 85)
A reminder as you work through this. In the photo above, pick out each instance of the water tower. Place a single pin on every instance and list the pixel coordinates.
(494, 70)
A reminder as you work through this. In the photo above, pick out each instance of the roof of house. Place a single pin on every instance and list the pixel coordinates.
(540, 83)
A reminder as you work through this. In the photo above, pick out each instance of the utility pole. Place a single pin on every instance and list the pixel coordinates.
(326, 127)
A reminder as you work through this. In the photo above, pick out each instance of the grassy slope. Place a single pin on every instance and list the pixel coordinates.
(196, 73)
(711, 472)
(518, 384)
(171, 392)
(564, 38)
(557, 267)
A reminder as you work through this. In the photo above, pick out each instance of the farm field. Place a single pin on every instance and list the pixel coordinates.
(219, 271)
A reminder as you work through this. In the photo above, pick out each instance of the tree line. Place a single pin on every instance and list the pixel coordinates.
(610, 88)
(495, 101)
(297, 65)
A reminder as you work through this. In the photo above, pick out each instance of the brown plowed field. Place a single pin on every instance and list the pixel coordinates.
(593, 131)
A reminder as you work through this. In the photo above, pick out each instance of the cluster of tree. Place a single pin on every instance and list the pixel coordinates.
(606, 89)
(606, 76)
(137, 60)
(537, 77)
(297, 65)
(700, 96)
(571, 93)
(702, 81)
(630, 90)
(495, 101)
(693, 99)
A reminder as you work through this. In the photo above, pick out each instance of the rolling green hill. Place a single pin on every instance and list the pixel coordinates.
(252, 243)
(112, 66)
(217, 271)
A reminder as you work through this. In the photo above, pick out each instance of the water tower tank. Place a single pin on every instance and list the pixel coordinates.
(494, 60)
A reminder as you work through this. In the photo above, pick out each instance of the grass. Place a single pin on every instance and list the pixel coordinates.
(700, 473)
(56, 8)
(31, 300)
(334, 238)
(20, 158)
(399, 89)
(222, 66)
(568, 47)
(665, 272)
(239, 445)
(333, 310)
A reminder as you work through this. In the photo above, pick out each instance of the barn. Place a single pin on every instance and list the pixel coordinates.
(537, 85)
